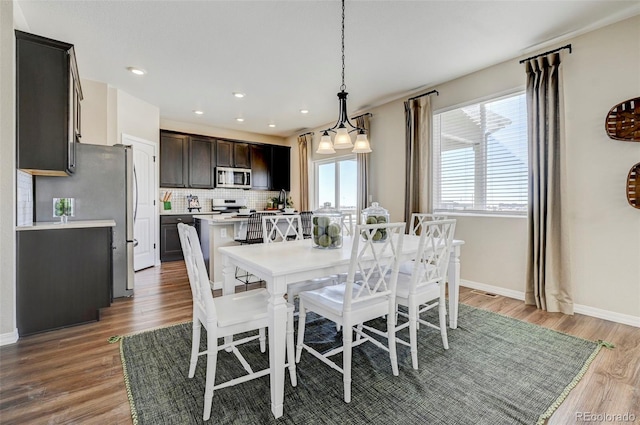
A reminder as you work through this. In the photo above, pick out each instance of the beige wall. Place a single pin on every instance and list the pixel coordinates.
(94, 112)
(605, 230)
(8, 331)
(137, 118)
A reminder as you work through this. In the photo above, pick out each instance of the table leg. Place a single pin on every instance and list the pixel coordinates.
(453, 284)
(277, 342)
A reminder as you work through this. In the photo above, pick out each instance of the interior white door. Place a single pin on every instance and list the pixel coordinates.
(144, 213)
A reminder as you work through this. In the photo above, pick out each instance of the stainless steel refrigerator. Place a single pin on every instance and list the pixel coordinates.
(103, 186)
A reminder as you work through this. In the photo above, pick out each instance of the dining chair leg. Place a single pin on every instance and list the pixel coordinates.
(195, 346)
(290, 350)
(263, 340)
(347, 338)
(302, 315)
(442, 310)
(212, 356)
(359, 333)
(413, 332)
(391, 334)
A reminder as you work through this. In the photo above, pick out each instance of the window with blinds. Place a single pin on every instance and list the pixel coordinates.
(480, 157)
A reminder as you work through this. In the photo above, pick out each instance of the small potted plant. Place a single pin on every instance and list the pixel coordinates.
(289, 208)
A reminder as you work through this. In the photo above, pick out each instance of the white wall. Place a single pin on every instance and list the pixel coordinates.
(605, 231)
(8, 330)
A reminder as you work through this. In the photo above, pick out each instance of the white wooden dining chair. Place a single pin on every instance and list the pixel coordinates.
(281, 228)
(354, 302)
(415, 228)
(272, 232)
(347, 223)
(424, 289)
(225, 316)
(417, 220)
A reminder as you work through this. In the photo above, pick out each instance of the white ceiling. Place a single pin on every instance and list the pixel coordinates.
(285, 55)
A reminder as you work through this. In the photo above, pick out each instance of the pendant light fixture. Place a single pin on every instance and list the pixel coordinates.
(343, 127)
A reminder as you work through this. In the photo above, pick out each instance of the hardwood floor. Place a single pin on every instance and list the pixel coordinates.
(74, 375)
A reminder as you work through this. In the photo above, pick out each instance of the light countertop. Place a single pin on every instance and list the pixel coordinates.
(55, 225)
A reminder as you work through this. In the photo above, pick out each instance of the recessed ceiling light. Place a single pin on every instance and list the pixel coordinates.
(197, 112)
(238, 94)
(272, 125)
(136, 71)
(240, 119)
(304, 111)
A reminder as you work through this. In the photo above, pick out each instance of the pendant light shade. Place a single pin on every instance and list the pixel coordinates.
(342, 139)
(341, 129)
(325, 146)
(362, 144)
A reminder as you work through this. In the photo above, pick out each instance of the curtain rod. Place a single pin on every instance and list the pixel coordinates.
(308, 132)
(425, 94)
(568, 46)
(363, 115)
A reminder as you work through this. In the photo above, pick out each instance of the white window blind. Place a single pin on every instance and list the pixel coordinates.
(480, 157)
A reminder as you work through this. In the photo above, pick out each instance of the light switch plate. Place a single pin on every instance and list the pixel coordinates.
(223, 233)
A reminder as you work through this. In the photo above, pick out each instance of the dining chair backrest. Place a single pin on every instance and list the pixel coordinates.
(347, 223)
(432, 259)
(203, 305)
(375, 256)
(306, 217)
(254, 226)
(281, 228)
(417, 219)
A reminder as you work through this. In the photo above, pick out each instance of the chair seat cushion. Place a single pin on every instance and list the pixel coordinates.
(332, 298)
(241, 307)
(428, 291)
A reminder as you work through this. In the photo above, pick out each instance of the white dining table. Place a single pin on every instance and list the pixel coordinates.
(280, 264)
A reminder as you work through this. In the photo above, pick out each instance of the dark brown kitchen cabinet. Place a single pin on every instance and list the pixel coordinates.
(201, 162)
(64, 277)
(233, 154)
(280, 167)
(260, 167)
(174, 160)
(48, 95)
(170, 248)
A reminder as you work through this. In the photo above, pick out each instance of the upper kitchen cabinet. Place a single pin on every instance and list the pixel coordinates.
(233, 154)
(280, 168)
(201, 162)
(174, 160)
(48, 96)
(260, 167)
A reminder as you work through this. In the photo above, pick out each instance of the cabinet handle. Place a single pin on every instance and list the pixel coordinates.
(179, 219)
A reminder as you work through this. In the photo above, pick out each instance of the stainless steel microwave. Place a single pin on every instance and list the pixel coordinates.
(236, 178)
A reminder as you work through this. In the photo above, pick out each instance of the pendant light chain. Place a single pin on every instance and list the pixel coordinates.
(343, 86)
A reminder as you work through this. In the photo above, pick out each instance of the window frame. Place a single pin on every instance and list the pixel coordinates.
(316, 170)
(436, 163)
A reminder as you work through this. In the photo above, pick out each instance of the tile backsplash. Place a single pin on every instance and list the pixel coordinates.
(24, 195)
(256, 199)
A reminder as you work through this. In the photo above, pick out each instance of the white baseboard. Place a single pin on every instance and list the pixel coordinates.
(625, 319)
(9, 338)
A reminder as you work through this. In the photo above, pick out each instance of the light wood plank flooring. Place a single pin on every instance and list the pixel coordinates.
(74, 376)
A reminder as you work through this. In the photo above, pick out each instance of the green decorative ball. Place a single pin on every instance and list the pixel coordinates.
(336, 241)
(317, 230)
(324, 241)
(382, 219)
(377, 236)
(323, 221)
(333, 230)
(372, 220)
(315, 220)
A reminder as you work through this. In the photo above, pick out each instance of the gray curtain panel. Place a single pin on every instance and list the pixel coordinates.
(548, 284)
(363, 168)
(418, 135)
(303, 156)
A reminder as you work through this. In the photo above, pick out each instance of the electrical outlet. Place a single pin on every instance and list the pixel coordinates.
(223, 233)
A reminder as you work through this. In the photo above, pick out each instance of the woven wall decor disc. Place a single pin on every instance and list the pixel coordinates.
(633, 186)
(623, 121)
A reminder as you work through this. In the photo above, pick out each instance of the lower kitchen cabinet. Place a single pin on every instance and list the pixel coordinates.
(170, 248)
(64, 277)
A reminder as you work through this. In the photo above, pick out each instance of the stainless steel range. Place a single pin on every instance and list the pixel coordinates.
(228, 205)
